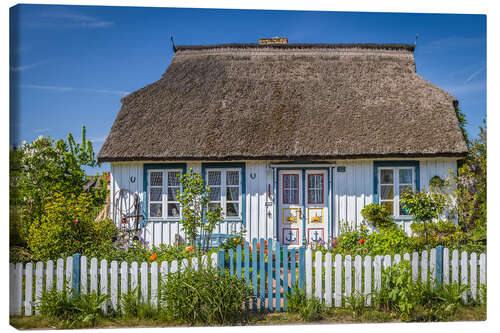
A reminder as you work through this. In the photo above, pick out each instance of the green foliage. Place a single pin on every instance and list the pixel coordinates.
(356, 302)
(194, 200)
(424, 206)
(309, 309)
(471, 188)
(388, 241)
(65, 227)
(132, 306)
(421, 301)
(378, 215)
(206, 296)
(41, 169)
(72, 310)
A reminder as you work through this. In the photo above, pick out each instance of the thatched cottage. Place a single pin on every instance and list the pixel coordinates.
(293, 139)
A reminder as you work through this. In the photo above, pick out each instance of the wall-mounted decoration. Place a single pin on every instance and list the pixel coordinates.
(291, 215)
(315, 215)
(290, 236)
(253, 175)
(315, 235)
(132, 179)
(341, 169)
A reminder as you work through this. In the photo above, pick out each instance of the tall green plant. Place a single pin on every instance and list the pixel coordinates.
(196, 216)
(424, 206)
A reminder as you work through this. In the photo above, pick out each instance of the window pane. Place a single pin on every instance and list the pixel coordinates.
(315, 189)
(233, 193)
(212, 206)
(232, 209)
(156, 178)
(215, 194)
(405, 176)
(214, 177)
(389, 205)
(402, 210)
(233, 178)
(173, 210)
(402, 188)
(172, 193)
(155, 210)
(173, 179)
(155, 194)
(386, 176)
(290, 181)
(386, 192)
(291, 196)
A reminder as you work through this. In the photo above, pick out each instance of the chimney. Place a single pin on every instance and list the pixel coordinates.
(273, 40)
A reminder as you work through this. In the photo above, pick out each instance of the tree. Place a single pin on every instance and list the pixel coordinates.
(196, 217)
(45, 167)
(424, 206)
(471, 187)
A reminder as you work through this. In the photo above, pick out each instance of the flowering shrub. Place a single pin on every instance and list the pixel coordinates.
(65, 228)
(378, 215)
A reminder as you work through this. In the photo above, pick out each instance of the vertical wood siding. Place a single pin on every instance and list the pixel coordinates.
(351, 191)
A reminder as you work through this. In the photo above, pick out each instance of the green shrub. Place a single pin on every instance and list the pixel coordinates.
(66, 227)
(417, 301)
(388, 241)
(206, 296)
(378, 215)
(71, 310)
(309, 309)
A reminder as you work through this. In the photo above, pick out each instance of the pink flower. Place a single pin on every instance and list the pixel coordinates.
(76, 221)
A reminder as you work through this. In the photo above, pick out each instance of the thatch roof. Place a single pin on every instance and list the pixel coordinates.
(287, 101)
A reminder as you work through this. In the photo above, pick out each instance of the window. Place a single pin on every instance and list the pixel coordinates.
(392, 182)
(315, 189)
(290, 188)
(225, 191)
(162, 192)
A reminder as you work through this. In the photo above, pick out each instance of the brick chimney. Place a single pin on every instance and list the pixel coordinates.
(273, 40)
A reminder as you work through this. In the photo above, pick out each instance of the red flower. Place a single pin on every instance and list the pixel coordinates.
(361, 241)
(76, 221)
(334, 243)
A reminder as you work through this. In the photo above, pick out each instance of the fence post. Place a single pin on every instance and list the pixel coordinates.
(439, 264)
(221, 259)
(75, 281)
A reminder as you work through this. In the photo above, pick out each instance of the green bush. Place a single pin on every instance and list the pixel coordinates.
(417, 301)
(309, 309)
(378, 215)
(66, 227)
(206, 297)
(71, 310)
(388, 241)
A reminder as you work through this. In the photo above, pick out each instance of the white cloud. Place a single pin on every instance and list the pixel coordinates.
(451, 43)
(35, 64)
(476, 73)
(68, 89)
(66, 19)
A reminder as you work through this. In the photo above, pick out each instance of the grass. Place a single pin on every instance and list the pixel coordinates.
(332, 316)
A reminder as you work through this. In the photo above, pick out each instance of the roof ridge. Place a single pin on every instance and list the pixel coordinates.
(381, 46)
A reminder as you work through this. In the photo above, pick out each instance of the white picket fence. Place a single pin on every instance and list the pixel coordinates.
(367, 273)
(334, 278)
(113, 280)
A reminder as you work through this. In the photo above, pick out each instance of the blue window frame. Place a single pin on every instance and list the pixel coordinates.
(160, 186)
(390, 179)
(227, 188)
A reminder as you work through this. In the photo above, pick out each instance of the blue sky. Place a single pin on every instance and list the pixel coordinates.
(70, 65)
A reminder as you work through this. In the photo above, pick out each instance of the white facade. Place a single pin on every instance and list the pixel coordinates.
(350, 191)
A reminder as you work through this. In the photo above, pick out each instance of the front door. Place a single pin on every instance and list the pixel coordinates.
(303, 206)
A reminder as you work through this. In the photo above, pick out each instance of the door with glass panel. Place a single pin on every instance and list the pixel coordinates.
(290, 208)
(316, 206)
